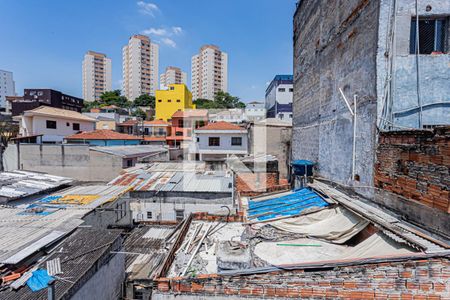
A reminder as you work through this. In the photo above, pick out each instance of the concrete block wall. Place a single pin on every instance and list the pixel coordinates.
(414, 279)
(335, 46)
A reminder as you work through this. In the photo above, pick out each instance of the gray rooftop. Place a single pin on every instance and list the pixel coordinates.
(130, 151)
(19, 184)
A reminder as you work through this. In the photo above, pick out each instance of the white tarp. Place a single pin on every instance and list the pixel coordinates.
(277, 253)
(336, 225)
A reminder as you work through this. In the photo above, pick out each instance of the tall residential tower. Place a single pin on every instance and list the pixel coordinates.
(209, 72)
(7, 86)
(172, 75)
(96, 75)
(140, 67)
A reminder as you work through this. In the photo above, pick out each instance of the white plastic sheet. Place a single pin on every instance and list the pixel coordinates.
(336, 225)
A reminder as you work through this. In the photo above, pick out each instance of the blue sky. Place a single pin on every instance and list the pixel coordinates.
(43, 42)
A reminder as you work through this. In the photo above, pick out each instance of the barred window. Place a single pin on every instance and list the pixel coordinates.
(432, 36)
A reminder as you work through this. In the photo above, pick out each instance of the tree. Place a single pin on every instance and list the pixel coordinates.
(114, 98)
(227, 101)
(221, 100)
(144, 100)
(139, 113)
(8, 130)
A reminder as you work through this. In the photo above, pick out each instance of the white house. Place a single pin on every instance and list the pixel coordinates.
(217, 141)
(231, 115)
(53, 123)
(255, 111)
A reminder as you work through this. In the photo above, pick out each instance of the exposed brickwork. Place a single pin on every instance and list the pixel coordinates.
(420, 279)
(253, 184)
(205, 216)
(416, 165)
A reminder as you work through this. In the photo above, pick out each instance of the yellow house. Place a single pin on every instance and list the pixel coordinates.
(176, 97)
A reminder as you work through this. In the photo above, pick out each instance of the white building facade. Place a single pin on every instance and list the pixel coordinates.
(53, 123)
(209, 71)
(172, 75)
(218, 141)
(279, 95)
(255, 111)
(7, 86)
(140, 67)
(96, 75)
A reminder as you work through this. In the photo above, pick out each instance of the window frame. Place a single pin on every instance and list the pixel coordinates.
(48, 122)
(234, 138)
(178, 218)
(213, 144)
(444, 35)
(76, 125)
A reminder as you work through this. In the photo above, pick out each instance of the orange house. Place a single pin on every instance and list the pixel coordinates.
(183, 124)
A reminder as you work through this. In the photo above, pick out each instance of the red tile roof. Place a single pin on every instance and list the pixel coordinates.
(128, 123)
(157, 122)
(220, 126)
(190, 113)
(154, 138)
(102, 134)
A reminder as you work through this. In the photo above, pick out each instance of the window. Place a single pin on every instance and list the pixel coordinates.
(179, 215)
(178, 100)
(236, 141)
(76, 126)
(129, 163)
(169, 100)
(51, 124)
(149, 215)
(282, 90)
(214, 141)
(198, 140)
(179, 133)
(431, 36)
(291, 90)
(67, 124)
(161, 131)
(159, 100)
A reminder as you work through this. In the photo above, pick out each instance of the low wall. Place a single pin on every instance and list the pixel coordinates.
(418, 279)
(75, 161)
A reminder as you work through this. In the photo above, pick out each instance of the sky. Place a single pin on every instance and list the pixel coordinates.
(43, 42)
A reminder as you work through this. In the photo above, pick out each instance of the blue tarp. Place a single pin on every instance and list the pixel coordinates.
(288, 205)
(49, 199)
(39, 280)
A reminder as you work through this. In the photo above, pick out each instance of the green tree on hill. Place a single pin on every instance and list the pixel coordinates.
(221, 100)
(144, 100)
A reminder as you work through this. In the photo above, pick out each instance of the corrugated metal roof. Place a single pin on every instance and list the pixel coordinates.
(23, 231)
(173, 177)
(77, 254)
(18, 184)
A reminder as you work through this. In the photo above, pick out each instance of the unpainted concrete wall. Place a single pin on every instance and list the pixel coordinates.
(272, 140)
(434, 70)
(106, 283)
(335, 46)
(75, 161)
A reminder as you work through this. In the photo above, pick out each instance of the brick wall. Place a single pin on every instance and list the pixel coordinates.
(416, 166)
(252, 184)
(420, 279)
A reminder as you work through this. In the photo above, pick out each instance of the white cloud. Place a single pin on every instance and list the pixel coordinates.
(177, 30)
(267, 82)
(155, 31)
(147, 8)
(169, 42)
